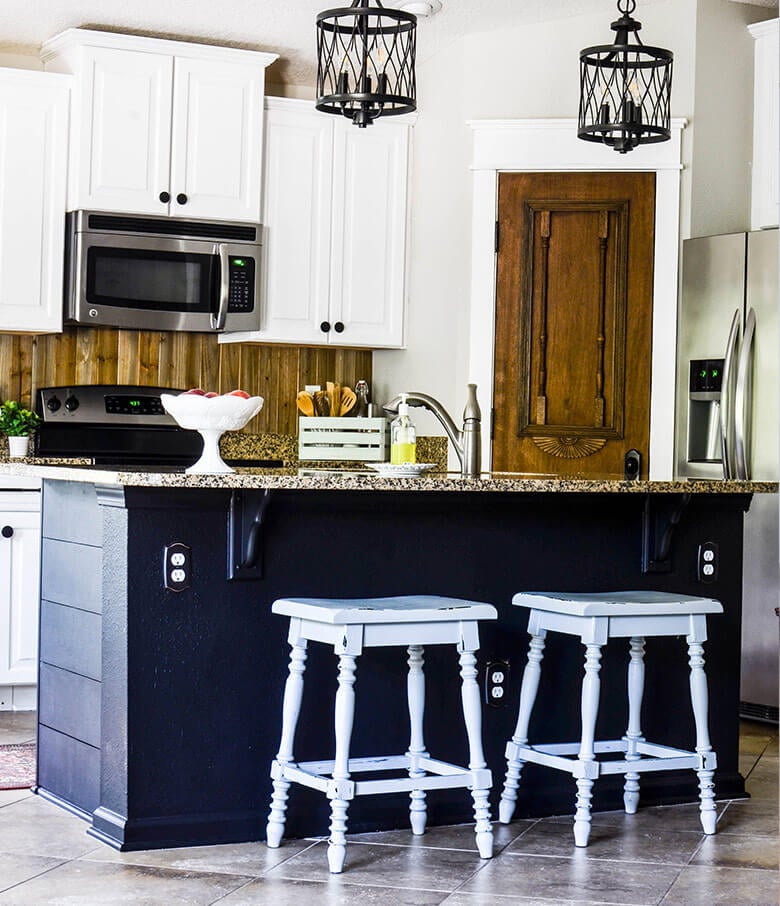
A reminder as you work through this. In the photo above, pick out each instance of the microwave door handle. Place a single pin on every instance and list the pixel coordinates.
(726, 399)
(218, 319)
(743, 399)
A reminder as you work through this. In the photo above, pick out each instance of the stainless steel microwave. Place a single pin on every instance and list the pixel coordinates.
(153, 273)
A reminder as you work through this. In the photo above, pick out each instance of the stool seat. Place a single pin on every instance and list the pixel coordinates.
(596, 618)
(617, 603)
(402, 609)
(350, 626)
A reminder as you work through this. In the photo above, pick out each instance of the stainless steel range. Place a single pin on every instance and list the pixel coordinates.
(112, 424)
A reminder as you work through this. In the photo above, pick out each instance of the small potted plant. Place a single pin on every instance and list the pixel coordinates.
(17, 423)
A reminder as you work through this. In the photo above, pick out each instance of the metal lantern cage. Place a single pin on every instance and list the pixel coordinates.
(625, 88)
(365, 60)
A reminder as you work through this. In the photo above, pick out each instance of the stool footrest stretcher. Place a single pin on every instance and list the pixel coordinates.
(653, 757)
(314, 774)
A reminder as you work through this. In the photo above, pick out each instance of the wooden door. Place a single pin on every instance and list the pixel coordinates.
(573, 322)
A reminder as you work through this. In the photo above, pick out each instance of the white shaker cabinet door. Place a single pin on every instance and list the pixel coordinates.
(33, 170)
(20, 534)
(766, 149)
(216, 155)
(369, 233)
(297, 186)
(122, 144)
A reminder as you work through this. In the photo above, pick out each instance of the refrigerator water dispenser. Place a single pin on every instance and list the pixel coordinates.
(704, 432)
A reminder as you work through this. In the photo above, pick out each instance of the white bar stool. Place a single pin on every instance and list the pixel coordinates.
(595, 618)
(350, 626)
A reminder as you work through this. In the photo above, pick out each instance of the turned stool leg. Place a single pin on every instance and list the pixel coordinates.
(472, 713)
(699, 700)
(341, 790)
(636, 688)
(415, 688)
(588, 768)
(528, 690)
(293, 692)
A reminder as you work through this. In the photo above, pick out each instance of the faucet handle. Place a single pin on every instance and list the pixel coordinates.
(472, 412)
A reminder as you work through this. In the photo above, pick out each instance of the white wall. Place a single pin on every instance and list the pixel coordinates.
(533, 71)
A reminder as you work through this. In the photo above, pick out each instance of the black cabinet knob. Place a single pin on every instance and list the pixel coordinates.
(338, 327)
(53, 403)
(165, 197)
(7, 531)
(71, 404)
(325, 326)
(181, 198)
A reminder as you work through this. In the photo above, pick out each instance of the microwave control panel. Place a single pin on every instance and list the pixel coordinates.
(241, 296)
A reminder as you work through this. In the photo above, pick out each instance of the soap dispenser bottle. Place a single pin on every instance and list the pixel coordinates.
(403, 436)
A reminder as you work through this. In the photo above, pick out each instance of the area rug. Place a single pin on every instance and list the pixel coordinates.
(17, 766)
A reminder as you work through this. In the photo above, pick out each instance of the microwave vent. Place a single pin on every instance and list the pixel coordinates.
(164, 226)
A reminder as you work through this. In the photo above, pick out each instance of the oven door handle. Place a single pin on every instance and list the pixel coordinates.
(218, 319)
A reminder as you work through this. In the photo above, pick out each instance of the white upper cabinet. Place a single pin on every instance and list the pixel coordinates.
(163, 127)
(766, 128)
(33, 168)
(369, 232)
(334, 217)
(298, 187)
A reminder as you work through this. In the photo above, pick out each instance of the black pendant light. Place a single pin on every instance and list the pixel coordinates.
(625, 88)
(365, 61)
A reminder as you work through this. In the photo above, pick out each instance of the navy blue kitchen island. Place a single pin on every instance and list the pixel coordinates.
(160, 710)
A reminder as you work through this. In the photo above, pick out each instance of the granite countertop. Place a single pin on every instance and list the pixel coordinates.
(365, 480)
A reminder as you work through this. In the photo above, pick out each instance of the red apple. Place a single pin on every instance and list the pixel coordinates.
(210, 395)
(242, 393)
(196, 391)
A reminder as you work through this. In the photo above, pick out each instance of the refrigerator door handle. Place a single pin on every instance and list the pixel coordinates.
(727, 400)
(743, 399)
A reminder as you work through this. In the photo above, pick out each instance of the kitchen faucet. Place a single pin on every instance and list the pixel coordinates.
(467, 441)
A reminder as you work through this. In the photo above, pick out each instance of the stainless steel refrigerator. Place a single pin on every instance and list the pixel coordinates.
(728, 372)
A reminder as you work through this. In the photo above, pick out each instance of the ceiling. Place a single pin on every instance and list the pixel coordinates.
(283, 26)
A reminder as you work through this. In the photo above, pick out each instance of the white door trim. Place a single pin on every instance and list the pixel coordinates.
(552, 145)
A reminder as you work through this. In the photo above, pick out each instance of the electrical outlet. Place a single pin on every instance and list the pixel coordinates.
(177, 566)
(708, 562)
(496, 683)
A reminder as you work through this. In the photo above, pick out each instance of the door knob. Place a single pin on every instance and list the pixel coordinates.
(325, 326)
(181, 198)
(7, 531)
(165, 197)
(338, 327)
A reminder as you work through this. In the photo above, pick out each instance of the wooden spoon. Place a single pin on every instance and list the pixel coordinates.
(305, 403)
(334, 395)
(322, 403)
(348, 400)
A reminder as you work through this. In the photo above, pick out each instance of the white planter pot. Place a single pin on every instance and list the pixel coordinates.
(17, 447)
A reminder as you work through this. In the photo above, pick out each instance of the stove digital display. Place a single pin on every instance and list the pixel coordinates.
(134, 405)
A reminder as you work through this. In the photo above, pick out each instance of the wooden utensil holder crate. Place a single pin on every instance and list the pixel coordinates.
(343, 439)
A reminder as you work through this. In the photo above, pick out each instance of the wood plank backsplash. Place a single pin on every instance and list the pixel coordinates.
(107, 356)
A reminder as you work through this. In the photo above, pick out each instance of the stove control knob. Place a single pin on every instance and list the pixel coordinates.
(53, 403)
(71, 404)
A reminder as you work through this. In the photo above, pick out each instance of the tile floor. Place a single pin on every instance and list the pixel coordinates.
(654, 857)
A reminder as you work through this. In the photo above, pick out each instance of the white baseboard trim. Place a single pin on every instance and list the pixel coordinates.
(18, 698)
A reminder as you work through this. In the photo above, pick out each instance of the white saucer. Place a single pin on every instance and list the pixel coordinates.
(405, 470)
